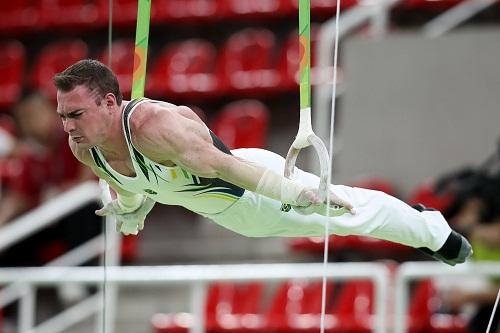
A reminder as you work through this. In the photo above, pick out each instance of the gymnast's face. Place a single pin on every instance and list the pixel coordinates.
(86, 116)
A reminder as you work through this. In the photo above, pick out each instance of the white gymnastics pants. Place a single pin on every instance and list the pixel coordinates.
(377, 214)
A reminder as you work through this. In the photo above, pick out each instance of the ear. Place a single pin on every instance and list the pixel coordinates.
(110, 100)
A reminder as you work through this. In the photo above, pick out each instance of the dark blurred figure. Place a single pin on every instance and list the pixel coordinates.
(475, 212)
(42, 166)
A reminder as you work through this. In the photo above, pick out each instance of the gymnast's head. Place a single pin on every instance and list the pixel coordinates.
(88, 101)
(92, 74)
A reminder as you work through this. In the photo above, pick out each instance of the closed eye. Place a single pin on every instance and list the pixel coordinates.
(71, 115)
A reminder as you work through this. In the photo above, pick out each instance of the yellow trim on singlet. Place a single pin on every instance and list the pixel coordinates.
(219, 196)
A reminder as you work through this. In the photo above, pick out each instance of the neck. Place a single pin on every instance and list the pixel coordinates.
(114, 147)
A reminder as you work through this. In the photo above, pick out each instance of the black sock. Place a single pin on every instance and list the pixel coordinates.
(451, 247)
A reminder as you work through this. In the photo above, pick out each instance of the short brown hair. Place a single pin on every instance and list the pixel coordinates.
(91, 73)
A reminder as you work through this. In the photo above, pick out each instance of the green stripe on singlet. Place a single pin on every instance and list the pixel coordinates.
(100, 164)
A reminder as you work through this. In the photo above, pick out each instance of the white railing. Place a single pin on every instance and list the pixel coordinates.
(197, 278)
(48, 213)
(42, 217)
(455, 16)
(411, 271)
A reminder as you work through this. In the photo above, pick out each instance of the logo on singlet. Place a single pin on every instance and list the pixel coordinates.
(150, 191)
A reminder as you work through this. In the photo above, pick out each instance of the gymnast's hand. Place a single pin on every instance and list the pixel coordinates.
(309, 202)
(127, 222)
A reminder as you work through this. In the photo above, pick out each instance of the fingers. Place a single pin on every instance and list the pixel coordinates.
(118, 226)
(102, 212)
(131, 227)
(335, 200)
(108, 209)
(148, 205)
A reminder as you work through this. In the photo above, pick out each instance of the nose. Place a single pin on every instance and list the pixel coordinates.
(68, 125)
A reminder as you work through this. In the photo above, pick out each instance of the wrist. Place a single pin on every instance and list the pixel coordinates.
(130, 203)
(278, 187)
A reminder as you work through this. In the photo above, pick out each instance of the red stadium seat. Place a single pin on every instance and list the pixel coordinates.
(424, 316)
(186, 70)
(188, 11)
(419, 310)
(229, 307)
(427, 196)
(296, 307)
(242, 124)
(239, 308)
(255, 9)
(124, 12)
(54, 58)
(376, 184)
(71, 14)
(19, 16)
(355, 308)
(12, 67)
(122, 63)
(247, 63)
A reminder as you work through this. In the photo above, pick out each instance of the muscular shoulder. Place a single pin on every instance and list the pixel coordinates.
(160, 114)
(156, 128)
(151, 119)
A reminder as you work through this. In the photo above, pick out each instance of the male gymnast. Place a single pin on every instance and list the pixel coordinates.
(152, 151)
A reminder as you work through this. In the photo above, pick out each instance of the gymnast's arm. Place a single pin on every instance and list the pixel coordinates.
(130, 199)
(174, 135)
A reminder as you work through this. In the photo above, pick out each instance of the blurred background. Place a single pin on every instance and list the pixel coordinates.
(417, 117)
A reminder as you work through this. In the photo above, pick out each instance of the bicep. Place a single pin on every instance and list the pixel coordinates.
(201, 159)
(213, 163)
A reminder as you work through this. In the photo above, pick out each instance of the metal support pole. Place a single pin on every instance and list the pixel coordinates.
(197, 306)
(26, 319)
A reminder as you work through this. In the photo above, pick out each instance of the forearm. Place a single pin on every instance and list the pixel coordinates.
(262, 180)
(127, 201)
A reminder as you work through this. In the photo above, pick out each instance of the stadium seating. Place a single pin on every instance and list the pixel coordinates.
(12, 68)
(187, 11)
(296, 307)
(424, 312)
(238, 309)
(255, 9)
(125, 13)
(355, 308)
(427, 195)
(229, 307)
(19, 16)
(186, 70)
(54, 58)
(122, 63)
(246, 64)
(242, 124)
(71, 14)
